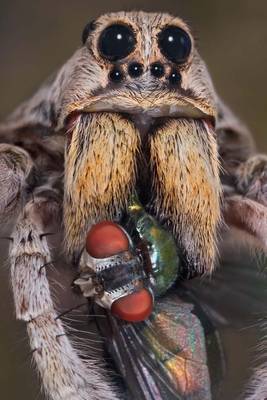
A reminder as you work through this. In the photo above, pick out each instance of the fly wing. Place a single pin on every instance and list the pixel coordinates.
(234, 299)
(164, 357)
(236, 294)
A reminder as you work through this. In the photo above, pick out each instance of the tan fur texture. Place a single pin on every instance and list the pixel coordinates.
(186, 187)
(100, 172)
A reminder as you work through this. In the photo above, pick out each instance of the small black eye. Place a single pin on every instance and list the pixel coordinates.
(88, 28)
(116, 75)
(175, 44)
(116, 42)
(175, 77)
(135, 70)
(157, 69)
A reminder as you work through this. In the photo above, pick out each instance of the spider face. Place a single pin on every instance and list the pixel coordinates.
(139, 110)
(140, 63)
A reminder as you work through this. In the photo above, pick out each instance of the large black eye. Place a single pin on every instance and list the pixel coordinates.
(116, 42)
(175, 44)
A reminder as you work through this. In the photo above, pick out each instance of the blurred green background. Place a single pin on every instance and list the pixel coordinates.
(38, 36)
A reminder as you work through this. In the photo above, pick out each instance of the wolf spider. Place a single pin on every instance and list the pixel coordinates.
(134, 109)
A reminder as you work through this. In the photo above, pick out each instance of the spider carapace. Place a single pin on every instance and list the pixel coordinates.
(131, 121)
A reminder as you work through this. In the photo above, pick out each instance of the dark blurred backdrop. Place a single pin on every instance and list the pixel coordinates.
(38, 36)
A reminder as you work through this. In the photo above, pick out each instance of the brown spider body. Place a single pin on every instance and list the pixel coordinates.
(164, 137)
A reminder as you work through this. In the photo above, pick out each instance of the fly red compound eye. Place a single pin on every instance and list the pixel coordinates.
(135, 307)
(106, 239)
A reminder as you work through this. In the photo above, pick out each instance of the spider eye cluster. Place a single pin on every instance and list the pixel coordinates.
(116, 42)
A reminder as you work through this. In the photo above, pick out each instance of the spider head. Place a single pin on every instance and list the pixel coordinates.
(142, 64)
(140, 112)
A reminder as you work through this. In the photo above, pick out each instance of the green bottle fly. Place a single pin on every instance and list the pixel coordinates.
(163, 256)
